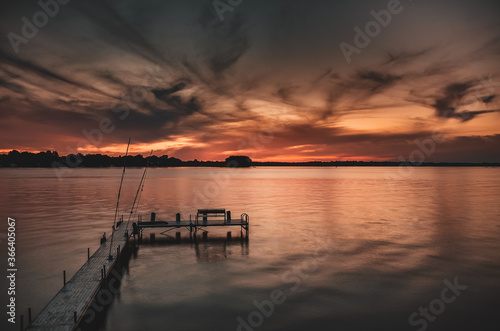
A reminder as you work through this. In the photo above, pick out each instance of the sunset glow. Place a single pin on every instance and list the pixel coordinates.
(272, 80)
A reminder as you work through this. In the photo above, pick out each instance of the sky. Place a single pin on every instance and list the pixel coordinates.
(277, 80)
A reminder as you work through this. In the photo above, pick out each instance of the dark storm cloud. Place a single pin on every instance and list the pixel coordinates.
(31, 67)
(67, 121)
(12, 86)
(110, 78)
(374, 81)
(118, 31)
(404, 57)
(452, 96)
(488, 99)
(161, 93)
(468, 115)
(226, 41)
(310, 134)
(453, 99)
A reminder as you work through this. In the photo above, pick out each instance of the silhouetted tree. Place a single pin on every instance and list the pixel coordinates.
(238, 161)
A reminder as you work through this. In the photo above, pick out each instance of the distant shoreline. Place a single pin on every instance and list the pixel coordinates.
(51, 159)
(214, 164)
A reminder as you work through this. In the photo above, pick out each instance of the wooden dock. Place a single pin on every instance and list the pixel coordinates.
(204, 218)
(67, 308)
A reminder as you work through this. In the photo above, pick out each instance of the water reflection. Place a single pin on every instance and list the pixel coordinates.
(212, 249)
(393, 244)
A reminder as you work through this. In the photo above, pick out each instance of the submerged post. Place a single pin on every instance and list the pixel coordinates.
(178, 236)
(88, 253)
(64, 277)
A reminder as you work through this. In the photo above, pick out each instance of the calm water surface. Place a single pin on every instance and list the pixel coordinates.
(345, 248)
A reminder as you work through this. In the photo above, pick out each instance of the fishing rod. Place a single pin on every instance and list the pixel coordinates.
(118, 199)
(142, 188)
(139, 190)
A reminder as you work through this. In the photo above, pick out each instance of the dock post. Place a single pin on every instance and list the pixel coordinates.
(229, 235)
(178, 236)
(64, 277)
(22, 323)
(29, 316)
(205, 236)
(74, 316)
(228, 217)
(178, 217)
(88, 253)
(153, 217)
(104, 268)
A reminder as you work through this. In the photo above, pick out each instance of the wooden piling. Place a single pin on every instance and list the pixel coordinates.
(178, 236)
(177, 219)
(64, 277)
(229, 235)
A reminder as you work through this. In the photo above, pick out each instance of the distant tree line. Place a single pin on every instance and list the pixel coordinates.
(53, 159)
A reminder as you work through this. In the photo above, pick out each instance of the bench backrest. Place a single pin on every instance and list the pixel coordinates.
(212, 212)
(217, 214)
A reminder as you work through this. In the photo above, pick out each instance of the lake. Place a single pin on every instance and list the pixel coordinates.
(347, 248)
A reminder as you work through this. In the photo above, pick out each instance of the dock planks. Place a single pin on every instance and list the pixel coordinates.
(80, 290)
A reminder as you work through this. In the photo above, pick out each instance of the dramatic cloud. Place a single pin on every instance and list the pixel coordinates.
(269, 79)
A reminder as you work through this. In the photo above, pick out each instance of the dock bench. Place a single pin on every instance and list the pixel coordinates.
(215, 216)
